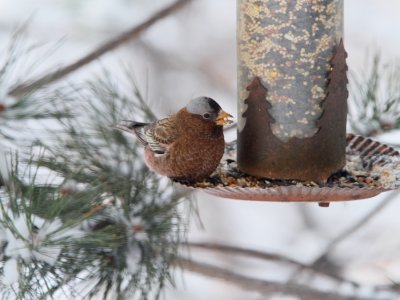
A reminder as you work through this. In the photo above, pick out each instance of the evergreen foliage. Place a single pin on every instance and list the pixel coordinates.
(81, 214)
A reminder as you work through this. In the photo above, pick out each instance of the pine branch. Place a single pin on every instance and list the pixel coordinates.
(375, 98)
(264, 287)
(96, 53)
(39, 105)
(268, 257)
(128, 214)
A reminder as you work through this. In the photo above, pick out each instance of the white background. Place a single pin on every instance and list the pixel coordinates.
(193, 54)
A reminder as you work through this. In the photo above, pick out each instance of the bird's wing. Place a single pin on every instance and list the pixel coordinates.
(161, 134)
(158, 135)
(137, 128)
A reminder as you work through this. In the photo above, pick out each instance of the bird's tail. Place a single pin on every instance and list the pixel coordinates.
(137, 128)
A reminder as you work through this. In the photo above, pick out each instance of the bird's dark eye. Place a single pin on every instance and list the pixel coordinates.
(206, 116)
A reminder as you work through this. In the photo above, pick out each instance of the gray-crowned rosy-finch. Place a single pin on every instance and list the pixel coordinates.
(187, 145)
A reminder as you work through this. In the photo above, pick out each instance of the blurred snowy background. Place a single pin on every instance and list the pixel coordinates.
(192, 53)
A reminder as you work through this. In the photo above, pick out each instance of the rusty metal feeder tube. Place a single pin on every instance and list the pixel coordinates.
(292, 95)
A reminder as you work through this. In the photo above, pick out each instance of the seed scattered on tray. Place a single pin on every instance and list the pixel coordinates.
(381, 171)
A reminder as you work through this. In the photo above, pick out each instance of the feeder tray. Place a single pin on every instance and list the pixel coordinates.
(371, 168)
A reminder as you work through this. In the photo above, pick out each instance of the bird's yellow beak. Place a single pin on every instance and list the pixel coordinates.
(223, 118)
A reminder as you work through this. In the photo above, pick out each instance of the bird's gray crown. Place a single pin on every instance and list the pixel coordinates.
(203, 105)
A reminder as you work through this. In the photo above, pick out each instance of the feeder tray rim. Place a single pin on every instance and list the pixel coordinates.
(359, 146)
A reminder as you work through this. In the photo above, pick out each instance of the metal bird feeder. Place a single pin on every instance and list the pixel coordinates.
(292, 112)
(371, 168)
(292, 95)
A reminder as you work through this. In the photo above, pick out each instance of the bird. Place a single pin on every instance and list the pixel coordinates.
(186, 146)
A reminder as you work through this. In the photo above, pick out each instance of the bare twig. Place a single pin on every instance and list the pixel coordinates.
(355, 227)
(306, 216)
(264, 287)
(242, 251)
(322, 263)
(96, 53)
(162, 60)
(266, 256)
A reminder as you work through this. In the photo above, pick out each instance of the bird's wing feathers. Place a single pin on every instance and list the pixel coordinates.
(141, 133)
(161, 134)
(157, 135)
(134, 127)
(164, 130)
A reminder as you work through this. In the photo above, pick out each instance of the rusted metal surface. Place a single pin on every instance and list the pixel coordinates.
(369, 150)
(363, 155)
(288, 45)
(262, 154)
(294, 194)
